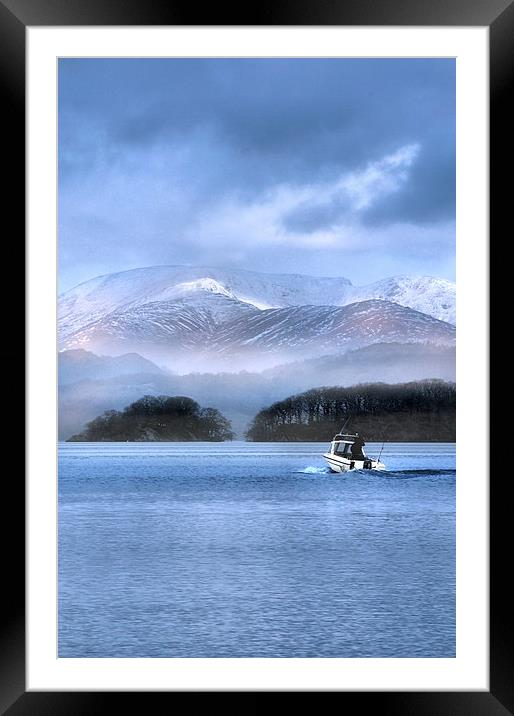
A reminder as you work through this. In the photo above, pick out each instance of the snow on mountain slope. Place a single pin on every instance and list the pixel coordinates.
(189, 338)
(102, 295)
(324, 329)
(183, 324)
(433, 296)
(178, 315)
(99, 297)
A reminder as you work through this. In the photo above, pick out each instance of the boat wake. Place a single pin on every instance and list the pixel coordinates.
(417, 473)
(312, 470)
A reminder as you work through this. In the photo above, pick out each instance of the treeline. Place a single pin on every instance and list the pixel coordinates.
(158, 418)
(406, 412)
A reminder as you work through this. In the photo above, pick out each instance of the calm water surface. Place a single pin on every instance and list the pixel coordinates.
(254, 550)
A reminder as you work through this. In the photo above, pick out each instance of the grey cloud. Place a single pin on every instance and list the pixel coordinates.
(428, 196)
(310, 217)
(146, 146)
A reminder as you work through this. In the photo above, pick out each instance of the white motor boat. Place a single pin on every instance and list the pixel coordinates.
(346, 453)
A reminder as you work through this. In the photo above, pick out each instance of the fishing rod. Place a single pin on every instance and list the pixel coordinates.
(383, 443)
(344, 425)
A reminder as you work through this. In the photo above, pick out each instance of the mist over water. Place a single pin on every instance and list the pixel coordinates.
(90, 385)
(255, 550)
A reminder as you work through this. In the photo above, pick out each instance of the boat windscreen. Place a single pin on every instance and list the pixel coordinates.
(342, 448)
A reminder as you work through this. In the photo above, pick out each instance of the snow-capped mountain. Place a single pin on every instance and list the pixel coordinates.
(104, 294)
(189, 316)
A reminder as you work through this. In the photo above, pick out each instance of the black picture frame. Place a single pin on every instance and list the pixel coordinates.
(15, 17)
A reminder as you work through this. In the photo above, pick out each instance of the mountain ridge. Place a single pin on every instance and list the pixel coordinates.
(197, 315)
(263, 290)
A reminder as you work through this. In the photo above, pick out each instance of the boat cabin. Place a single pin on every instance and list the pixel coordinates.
(348, 445)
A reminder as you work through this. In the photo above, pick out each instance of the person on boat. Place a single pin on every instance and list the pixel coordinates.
(357, 453)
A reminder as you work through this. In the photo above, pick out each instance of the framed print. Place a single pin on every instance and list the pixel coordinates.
(250, 246)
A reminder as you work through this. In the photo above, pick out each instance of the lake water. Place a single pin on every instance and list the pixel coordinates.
(254, 550)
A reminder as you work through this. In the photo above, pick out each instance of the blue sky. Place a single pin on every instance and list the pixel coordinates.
(336, 167)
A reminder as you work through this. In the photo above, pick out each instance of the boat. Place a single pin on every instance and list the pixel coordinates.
(346, 453)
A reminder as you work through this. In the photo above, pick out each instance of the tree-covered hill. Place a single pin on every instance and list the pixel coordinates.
(411, 412)
(158, 418)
